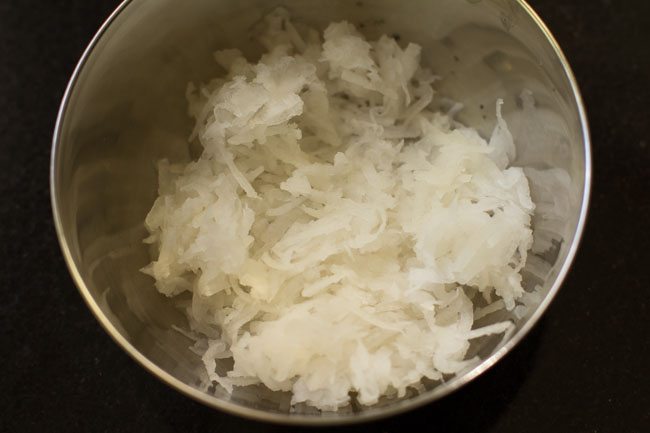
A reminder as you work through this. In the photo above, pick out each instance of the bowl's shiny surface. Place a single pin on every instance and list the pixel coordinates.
(125, 109)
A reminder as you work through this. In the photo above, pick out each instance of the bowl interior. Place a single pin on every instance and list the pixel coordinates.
(126, 109)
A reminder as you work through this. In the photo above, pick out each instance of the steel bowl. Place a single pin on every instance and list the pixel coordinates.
(125, 108)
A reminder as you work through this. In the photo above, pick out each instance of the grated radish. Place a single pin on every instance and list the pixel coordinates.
(334, 224)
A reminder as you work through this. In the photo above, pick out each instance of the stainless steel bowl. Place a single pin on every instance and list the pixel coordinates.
(125, 108)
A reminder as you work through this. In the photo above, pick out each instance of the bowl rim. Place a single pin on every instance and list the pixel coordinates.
(299, 419)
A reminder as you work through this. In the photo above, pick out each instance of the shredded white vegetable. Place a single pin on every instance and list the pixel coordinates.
(333, 224)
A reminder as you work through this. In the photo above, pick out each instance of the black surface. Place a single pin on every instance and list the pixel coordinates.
(585, 368)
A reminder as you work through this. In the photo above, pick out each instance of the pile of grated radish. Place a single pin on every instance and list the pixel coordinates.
(334, 228)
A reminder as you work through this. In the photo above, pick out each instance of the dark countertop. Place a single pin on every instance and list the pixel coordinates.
(585, 367)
